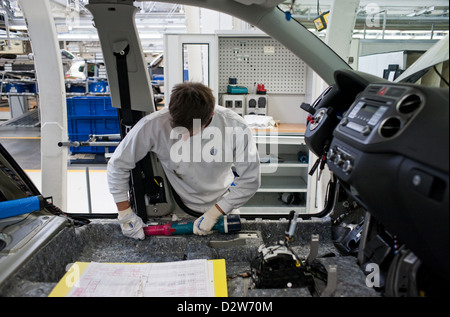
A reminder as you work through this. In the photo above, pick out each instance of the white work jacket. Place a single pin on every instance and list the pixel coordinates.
(199, 168)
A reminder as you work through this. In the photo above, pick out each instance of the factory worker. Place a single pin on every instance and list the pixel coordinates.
(197, 144)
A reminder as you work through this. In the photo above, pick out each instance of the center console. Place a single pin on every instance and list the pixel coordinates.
(378, 115)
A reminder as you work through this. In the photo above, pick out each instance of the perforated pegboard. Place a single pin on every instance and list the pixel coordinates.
(263, 61)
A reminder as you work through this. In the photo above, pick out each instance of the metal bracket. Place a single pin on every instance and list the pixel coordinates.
(227, 243)
(314, 248)
(331, 281)
(119, 47)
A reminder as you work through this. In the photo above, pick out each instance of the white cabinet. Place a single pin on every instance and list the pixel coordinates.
(284, 172)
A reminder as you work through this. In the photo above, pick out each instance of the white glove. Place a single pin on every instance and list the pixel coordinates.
(204, 223)
(131, 224)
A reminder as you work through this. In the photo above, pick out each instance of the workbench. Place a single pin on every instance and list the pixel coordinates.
(283, 129)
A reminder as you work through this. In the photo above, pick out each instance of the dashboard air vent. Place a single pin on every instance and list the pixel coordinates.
(322, 95)
(410, 104)
(373, 90)
(390, 127)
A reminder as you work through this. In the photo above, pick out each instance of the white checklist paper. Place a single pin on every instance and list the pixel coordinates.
(191, 278)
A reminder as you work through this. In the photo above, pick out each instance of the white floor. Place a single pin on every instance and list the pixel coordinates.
(77, 200)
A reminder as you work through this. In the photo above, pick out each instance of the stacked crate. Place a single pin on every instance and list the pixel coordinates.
(91, 115)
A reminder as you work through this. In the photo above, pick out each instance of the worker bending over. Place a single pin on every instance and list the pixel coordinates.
(197, 144)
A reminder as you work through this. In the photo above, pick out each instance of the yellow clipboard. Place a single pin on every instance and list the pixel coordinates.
(72, 276)
(220, 278)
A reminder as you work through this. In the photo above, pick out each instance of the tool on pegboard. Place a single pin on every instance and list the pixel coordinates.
(233, 88)
(261, 90)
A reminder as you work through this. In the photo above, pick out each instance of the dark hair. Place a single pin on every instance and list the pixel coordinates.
(189, 101)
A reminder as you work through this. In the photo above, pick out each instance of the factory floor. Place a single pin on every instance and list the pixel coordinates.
(24, 144)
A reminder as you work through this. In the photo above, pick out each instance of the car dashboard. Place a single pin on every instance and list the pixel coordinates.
(387, 145)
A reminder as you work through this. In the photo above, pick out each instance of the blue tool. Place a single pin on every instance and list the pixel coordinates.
(233, 88)
(21, 206)
(237, 89)
(225, 224)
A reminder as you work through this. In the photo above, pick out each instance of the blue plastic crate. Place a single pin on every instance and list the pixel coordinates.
(81, 88)
(93, 125)
(20, 87)
(90, 106)
(91, 115)
(87, 149)
(98, 86)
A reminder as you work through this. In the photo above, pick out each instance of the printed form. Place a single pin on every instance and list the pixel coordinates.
(191, 278)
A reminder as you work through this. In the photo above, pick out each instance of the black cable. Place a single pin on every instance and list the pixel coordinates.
(76, 219)
(15, 223)
(440, 75)
(182, 205)
(331, 196)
